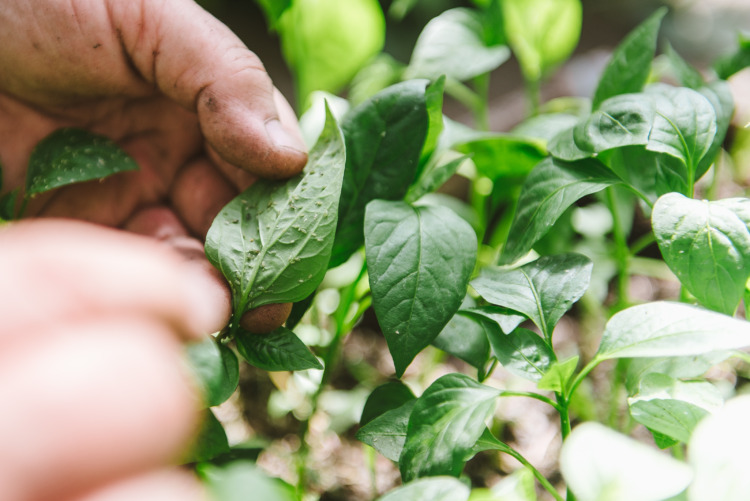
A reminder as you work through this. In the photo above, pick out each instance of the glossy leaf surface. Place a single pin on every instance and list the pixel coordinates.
(707, 245)
(387, 432)
(522, 352)
(384, 140)
(444, 425)
(665, 329)
(630, 64)
(542, 290)
(211, 440)
(384, 398)
(216, 369)
(622, 120)
(70, 156)
(411, 253)
(273, 242)
(280, 350)
(452, 44)
(549, 190)
(466, 337)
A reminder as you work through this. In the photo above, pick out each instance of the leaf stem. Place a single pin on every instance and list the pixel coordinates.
(541, 478)
(581, 376)
(530, 394)
(622, 253)
(481, 112)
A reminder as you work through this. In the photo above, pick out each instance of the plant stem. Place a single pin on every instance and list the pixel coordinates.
(533, 96)
(621, 252)
(530, 394)
(541, 478)
(464, 95)
(481, 112)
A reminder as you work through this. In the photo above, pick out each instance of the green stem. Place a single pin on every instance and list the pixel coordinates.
(481, 112)
(581, 376)
(533, 96)
(464, 95)
(541, 478)
(621, 252)
(530, 394)
(642, 243)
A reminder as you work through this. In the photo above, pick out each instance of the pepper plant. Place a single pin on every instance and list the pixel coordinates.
(473, 278)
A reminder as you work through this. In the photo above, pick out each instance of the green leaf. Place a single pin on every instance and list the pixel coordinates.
(543, 290)
(548, 191)
(210, 442)
(465, 337)
(558, 375)
(518, 486)
(434, 105)
(684, 126)
(280, 350)
(444, 425)
(8, 205)
(707, 245)
(672, 407)
(623, 120)
(452, 44)
(381, 72)
(735, 62)
(687, 75)
(719, 94)
(718, 454)
(326, 42)
(273, 242)
(664, 329)
(545, 126)
(412, 252)
(630, 64)
(235, 480)
(542, 33)
(503, 156)
(384, 398)
(429, 489)
(676, 367)
(70, 156)
(601, 464)
(273, 9)
(506, 318)
(522, 352)
(435, 174)
(216, 369)
(650, 173)
(387, 432)
(384, 140)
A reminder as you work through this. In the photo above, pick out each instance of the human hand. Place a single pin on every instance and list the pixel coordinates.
(168, 82)
(96, 398)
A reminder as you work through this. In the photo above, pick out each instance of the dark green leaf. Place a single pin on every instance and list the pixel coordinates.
(550, 189)
(563, 146)
(630, 65)
(506, 318)
(736, 61)
(384, 140)
(664, 329)
(707, 245)
(622, 120)
(273, 242)
(434, 104)
(686, 74)
(211, 440)
(444, 425)
(430, 489)
(8, 205)
(412, 252)
(488, 442)
(387, 432)
(650, 173)
(684, 126)
(558, 376)
(281, 350)
(543, 290)
(671, 407)
(70, 156)
(216, 368)
(465, 337)
(384, 398)
(452, 44)
(522, 352)
(235, 482)
(542, 33)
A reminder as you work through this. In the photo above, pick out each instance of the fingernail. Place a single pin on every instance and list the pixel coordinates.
(283, 138)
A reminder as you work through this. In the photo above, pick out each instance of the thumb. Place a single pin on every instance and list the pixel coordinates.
(198, 62)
